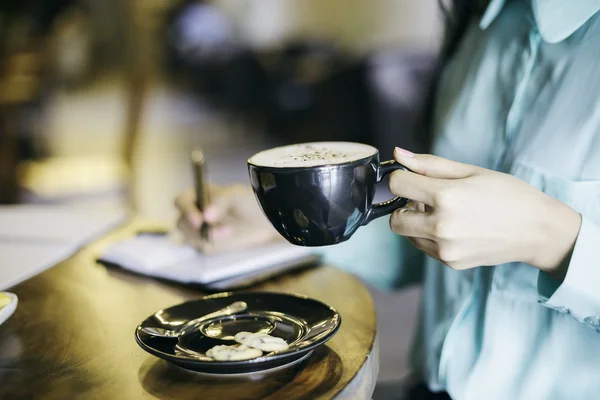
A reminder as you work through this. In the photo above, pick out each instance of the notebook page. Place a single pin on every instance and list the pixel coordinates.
(164, 258)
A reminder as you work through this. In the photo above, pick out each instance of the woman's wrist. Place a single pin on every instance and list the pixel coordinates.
(555, 238)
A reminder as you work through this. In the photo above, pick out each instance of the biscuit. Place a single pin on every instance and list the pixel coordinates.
(261, 341)
(233, 353)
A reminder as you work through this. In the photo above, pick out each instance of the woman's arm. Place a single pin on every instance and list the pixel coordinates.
(473, 216)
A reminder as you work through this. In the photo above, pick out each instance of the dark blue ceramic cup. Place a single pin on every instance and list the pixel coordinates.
(319, 205)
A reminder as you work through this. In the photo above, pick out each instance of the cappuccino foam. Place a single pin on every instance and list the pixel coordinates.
(312, 154)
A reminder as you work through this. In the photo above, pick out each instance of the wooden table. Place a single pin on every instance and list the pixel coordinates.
(71, 337)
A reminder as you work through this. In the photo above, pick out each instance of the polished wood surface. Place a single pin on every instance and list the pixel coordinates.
(71, 337)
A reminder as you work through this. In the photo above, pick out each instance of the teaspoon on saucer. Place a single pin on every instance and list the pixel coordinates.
(233, 308)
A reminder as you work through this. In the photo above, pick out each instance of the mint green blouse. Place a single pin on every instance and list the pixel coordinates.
(522, 96)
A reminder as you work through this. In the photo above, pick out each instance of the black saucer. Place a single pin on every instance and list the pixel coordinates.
(302, 322)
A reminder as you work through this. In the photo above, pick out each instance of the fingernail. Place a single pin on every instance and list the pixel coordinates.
(404, 153)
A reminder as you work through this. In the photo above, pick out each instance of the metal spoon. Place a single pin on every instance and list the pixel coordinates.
(233, 308)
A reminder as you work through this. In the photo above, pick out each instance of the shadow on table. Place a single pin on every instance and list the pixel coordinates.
(312, 378)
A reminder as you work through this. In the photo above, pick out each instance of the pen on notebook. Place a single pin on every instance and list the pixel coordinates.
(202, 198)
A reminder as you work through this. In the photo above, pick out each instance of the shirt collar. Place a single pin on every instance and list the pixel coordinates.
(556, 20)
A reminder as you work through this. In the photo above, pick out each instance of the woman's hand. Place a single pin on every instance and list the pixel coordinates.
(471, 216)
(234, 217)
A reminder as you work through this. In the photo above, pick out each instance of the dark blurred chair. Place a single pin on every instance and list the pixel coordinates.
(317, 92)
(203, 56)
(398, 82)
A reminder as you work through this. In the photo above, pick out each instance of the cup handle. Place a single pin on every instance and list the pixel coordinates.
(386, 207)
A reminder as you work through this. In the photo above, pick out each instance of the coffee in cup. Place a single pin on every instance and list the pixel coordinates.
(318, 194)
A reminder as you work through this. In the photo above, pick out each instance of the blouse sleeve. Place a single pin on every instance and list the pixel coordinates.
(579, 293)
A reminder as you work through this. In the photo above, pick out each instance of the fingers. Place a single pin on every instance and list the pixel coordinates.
(414, 186)
(234, 218)
(411, 223)
(226, 237)
(416, 206)
(220, 202)
(427, 246)
(186, 204)
(433, 166)
(189, 231)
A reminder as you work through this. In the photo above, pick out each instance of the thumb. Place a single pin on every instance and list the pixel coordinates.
(433, 166)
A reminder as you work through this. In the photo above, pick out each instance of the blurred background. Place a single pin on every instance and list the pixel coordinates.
(101, 101)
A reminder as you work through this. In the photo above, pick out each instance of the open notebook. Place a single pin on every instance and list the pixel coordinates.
(162, 257)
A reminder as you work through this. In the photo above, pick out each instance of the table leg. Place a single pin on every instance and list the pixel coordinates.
(362, 385)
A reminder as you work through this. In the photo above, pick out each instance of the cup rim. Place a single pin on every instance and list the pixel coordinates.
(336, 165)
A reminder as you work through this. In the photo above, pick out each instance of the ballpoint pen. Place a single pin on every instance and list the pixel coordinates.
(202, 198)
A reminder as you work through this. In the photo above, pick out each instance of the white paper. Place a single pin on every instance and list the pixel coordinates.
(60, 224)
(21, 261)
(34, 238)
